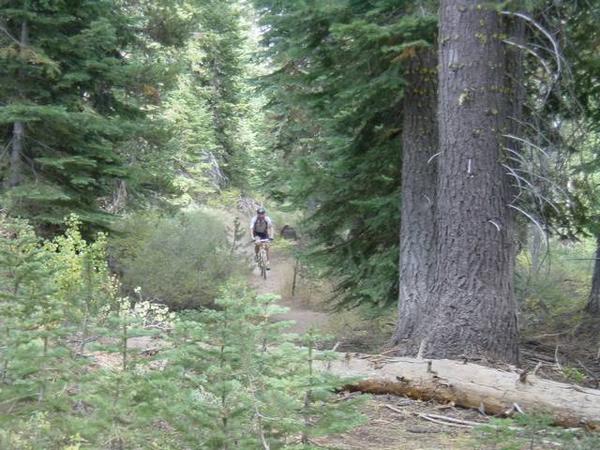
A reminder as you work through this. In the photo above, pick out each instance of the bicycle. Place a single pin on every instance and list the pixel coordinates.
(261, 259)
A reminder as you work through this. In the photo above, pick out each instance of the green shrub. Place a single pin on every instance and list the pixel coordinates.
(558, 289)
(531, 431)
(238, 380)
(72, 378)
(178, 261)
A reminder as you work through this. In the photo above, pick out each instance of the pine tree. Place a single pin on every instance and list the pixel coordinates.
(337, 136)
(582, 36)
(418, 196)
(238, 380)
(475, 309)
(68, 99)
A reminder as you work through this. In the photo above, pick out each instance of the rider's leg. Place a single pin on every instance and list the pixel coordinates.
(256, 247)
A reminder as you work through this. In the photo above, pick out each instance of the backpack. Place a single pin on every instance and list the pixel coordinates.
(261, 225)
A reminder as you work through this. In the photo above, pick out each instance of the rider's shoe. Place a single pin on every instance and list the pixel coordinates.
(268, 265)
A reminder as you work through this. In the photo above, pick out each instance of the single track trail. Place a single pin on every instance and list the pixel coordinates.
(393, 423)
(279, 281)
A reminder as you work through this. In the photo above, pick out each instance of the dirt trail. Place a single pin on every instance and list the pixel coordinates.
(395, 428)
(279, 281)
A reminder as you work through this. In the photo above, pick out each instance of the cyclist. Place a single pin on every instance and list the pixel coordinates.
(261, 227)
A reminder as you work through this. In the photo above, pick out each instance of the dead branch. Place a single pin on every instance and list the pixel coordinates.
(440, 422)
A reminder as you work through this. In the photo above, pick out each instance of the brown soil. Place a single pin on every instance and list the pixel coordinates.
(384, 429)
(397, 422)
(393, 423)
(278, 279)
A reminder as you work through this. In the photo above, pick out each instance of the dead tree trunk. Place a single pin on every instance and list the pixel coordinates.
(471, 386)
(593, 304)
(417, 223)
(18, 135)
(16, 152)
(475, 310)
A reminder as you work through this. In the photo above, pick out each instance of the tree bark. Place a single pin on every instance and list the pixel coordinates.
(16, 150)
(471, 386)
(18, 135)
(475, 311)
(417, 224)
(593, 304)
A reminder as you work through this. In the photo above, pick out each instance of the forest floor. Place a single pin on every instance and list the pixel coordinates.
(391, 422)
(394, 422)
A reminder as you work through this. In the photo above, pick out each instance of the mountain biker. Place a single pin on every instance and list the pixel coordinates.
(261, 227)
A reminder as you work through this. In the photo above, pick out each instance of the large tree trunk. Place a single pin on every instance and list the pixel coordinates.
(417, 225)
(18, 135)
(475, 313)
(593, 305)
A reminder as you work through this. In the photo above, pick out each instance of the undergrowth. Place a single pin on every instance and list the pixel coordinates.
(226, 377)
(531, 431)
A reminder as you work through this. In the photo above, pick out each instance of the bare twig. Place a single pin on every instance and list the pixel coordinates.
(391, 350)
(589, 372)
(10, 36)
(555, 45)
(440, 422)
(495, 224)
(527, 143)
(433, 157)
(529, 217)
(532, 52)
(396, 410)
(454, 420)
(556, 358)
(518, 408)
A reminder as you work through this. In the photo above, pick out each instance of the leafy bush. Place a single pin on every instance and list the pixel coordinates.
(179, 261)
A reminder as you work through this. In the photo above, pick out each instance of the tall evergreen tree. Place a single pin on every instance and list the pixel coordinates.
(66, 103)
(337, 136)
(418, 196)
(218, 70)
(475, 311)
(582, 41)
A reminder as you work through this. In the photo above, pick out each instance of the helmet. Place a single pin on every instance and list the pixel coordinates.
(261, 210)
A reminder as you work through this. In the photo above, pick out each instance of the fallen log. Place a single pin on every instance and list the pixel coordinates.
(469, 385)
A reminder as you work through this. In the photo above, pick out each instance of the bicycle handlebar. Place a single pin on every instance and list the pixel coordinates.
(261, 241)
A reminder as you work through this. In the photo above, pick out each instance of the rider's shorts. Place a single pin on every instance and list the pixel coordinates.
(261, 235)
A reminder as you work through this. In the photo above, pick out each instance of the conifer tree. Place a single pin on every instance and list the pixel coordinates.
(475, 309)
(68, 98)
(337, 136)
(418, 194)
